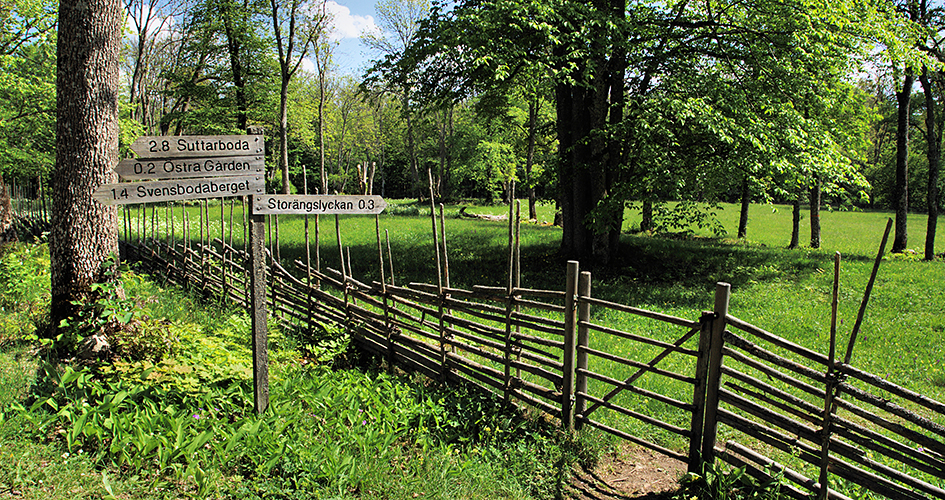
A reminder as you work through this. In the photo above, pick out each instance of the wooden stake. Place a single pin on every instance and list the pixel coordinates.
(570, 345)
(583, 340)
(831, 385)
(518, 243)
(511, 282)
(341, 254)
(714, 374)
(866, 294)
(436, 244)
(318, 253)
(232, 203)
(259, 316)
(380, 257)
(390, 258)
(446, 259)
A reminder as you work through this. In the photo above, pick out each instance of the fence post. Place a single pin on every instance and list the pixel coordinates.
(570, 338)
(584, 315)
(698, 395)
(714, 372)
(257, 235)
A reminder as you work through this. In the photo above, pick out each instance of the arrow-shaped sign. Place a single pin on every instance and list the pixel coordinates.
(199, 146)
(318, 204)
(186, 189)
(188, 168)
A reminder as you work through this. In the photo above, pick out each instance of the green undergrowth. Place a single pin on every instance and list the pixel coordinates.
(176, 419)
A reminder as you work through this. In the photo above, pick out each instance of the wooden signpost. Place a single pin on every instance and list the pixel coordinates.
(193, 167)
(181, 168)
(317, 204)
(196, 146)
(187, 189)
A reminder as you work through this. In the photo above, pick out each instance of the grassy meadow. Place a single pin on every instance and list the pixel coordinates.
(62, 437)
(787, 292)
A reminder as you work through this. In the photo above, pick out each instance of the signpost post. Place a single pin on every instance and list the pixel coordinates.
(192, 167)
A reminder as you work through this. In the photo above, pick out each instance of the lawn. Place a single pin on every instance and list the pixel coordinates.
(438, 438)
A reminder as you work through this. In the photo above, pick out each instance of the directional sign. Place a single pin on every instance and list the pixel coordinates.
(199, 146)
(189, 168)
(187, 189)
(318, 204)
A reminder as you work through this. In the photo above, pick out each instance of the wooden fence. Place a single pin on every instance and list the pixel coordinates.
(735, 392)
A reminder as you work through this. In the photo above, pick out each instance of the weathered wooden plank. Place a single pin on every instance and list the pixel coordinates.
(199, 145)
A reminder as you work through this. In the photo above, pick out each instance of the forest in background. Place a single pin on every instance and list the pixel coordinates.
(591, 106)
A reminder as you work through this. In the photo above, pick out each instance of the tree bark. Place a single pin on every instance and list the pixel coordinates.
(84, 232)
(815, 215)
(234, 48)
(901, 195)
(646, 213)
(412, 150)
(743, 214)
(589, 164)
(533, 104)
(933, 133)
(7, 230)
(796, 222)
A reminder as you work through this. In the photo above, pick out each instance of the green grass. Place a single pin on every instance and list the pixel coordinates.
(787, 292)
(182, 426)
(784, 291)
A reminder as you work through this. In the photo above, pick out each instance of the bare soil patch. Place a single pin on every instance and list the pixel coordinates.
(629, 473)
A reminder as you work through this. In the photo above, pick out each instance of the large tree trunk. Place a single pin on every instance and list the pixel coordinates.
(234, 48)
(530, 155)
(796, 222)
(589, 164)
(933, 136)
(412, 151)
(901, 196)
(743, 214)
(646, 214)
(84, 232)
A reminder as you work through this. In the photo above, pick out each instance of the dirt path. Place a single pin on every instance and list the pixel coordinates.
(631, 473)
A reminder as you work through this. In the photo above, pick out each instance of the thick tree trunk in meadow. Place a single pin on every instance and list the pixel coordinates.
(901, 194)
(589, 164)
(646, 213)
(84, 232)
(796, 222)
(743, 214)
(815, 215)
(933, 137)
(530, 155)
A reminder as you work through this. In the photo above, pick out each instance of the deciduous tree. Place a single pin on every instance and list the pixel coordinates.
(84, 232)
